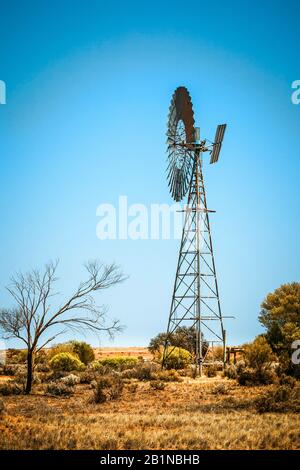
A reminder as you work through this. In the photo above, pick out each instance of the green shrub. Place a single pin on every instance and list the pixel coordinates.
(176, 358)
(158, 385)
(119, 362)
(96, 366)
(84, 351)
(60, 348)
(59, 389)
(258, 353)
(10, 388)
(65, 362)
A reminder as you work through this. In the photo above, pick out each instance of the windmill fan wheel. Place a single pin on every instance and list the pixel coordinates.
(180, 132)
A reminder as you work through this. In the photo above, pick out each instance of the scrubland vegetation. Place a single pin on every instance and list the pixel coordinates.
(127, 403)
(70, 397)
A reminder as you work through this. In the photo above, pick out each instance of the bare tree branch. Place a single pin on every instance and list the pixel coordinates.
(34, 315)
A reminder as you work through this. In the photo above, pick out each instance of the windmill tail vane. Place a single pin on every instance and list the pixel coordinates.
(195, 300)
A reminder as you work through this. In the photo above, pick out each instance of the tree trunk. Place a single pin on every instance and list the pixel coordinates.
(29, 372)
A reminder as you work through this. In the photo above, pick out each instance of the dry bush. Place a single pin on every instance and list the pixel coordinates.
(106, 388)
(287, 380)
(129, 374)
(261, 376)
(2, 406)
(167, 376)
(10, 388)
(282, 399)
(10, 369)
(157, 384)
(230, 371)
(59, 389)
(146, 371)
(211, 370)
(221, 389)
(87, 376)
(132, 387)
(70, 380)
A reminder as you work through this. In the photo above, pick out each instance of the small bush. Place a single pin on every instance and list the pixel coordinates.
(66, 362)
(42, 367)
(107, 388)
(59, 389)
(60, 348)
(2, 406)
(230, 371)
(158, 385)
(87, 376)
(128, 374)
(168, 376)
(283, 398)
(132, 388)
(16, 356)
(10, 388)
(220, 389)
(119, 362)
(287, 380)
(211, 370)
(70, 380)
(96, 366)
(258, 353)
(176, 358)
(146, 371)
(10, 369)
(262, 376)
(84, 351)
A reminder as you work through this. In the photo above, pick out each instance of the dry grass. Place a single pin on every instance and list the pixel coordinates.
(134, 351)
(193, 414)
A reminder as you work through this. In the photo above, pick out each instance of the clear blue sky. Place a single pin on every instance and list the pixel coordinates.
(88, 90)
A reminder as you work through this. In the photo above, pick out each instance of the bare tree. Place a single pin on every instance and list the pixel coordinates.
(33, 315)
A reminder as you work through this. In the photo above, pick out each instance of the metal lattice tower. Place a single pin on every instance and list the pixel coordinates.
(195, 300)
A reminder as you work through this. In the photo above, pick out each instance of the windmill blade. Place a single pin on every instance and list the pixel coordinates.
(217, 143)
(180, 130)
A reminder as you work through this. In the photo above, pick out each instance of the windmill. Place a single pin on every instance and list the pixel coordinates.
(195, 300)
